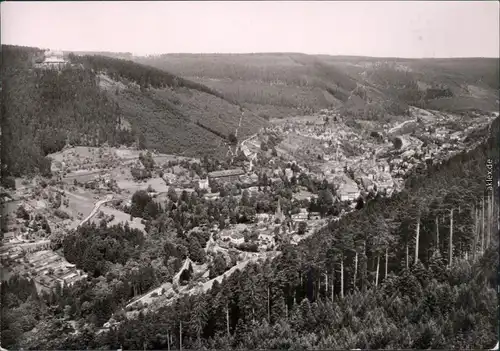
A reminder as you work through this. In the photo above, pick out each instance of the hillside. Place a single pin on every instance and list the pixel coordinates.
(280, 84)
(174, 114)
(97, 99)
(42, 110)
(388, 264)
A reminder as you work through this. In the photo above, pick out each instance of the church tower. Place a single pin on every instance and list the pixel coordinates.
(279, 214)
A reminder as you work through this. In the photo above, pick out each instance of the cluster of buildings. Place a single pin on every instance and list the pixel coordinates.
(49, 270)
(51, 60)
(230, 175)
(41, 264)
(439, 142)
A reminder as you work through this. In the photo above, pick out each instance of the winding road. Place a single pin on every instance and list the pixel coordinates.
(97, 205)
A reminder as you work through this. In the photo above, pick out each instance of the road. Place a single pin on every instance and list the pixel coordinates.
(240, 265)
(97, 205)
(147, 298)
(82, 174)
(400, 125)
(247, 139)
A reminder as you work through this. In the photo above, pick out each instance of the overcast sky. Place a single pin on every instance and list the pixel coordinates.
(395, 28)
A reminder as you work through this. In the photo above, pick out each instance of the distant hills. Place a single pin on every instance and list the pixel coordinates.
(275, 84)
(190, 104)
(283, 84)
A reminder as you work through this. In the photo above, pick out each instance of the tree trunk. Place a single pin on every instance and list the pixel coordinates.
(417, 240)
(365, 258)
(180, 335)
(490, 216)
(378, 268)
(342, 276)
(482, 226)
(486, 222)
(450, 260)
(333, 285)
(407, 256)
(227, 320)
(386, 261)
(437, 233)
(476, 232)
(268, 304)
(318, 288)
(492, 230)
(326, 283)
(494, 214)
(168, 341)
(355, 269)
(495, 225)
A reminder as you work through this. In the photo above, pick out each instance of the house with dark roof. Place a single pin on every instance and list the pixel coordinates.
(229, 175)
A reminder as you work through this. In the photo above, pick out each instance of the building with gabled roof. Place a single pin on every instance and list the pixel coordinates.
(226, 173)
(230, 175)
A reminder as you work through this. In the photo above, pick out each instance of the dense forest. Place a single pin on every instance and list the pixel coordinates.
(43, 110)
(262, 83)
(144, 76)
(175, 115)
(420, 267)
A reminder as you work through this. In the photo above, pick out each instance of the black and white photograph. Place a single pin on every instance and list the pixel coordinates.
(249, 175)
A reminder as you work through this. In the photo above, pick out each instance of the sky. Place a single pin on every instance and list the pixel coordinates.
(372, 28)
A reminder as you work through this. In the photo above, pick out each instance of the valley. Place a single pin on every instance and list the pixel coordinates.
(247, 198)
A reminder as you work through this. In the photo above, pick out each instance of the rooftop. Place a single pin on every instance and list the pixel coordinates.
(226, 173)
(54, 60)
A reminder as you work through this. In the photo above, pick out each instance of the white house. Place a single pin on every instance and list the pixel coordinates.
(53, 59)
(203, 183)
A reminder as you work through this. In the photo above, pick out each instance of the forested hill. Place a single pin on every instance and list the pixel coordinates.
(382, 277)
(42, 110)
(174, 114)
(97, 99)
(142, 75)
(365, 87)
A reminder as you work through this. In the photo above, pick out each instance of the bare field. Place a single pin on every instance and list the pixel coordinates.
(134, 154)
(91, 156)
(80, 202)
(129, 185)
(314, 119)
(77, 151)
